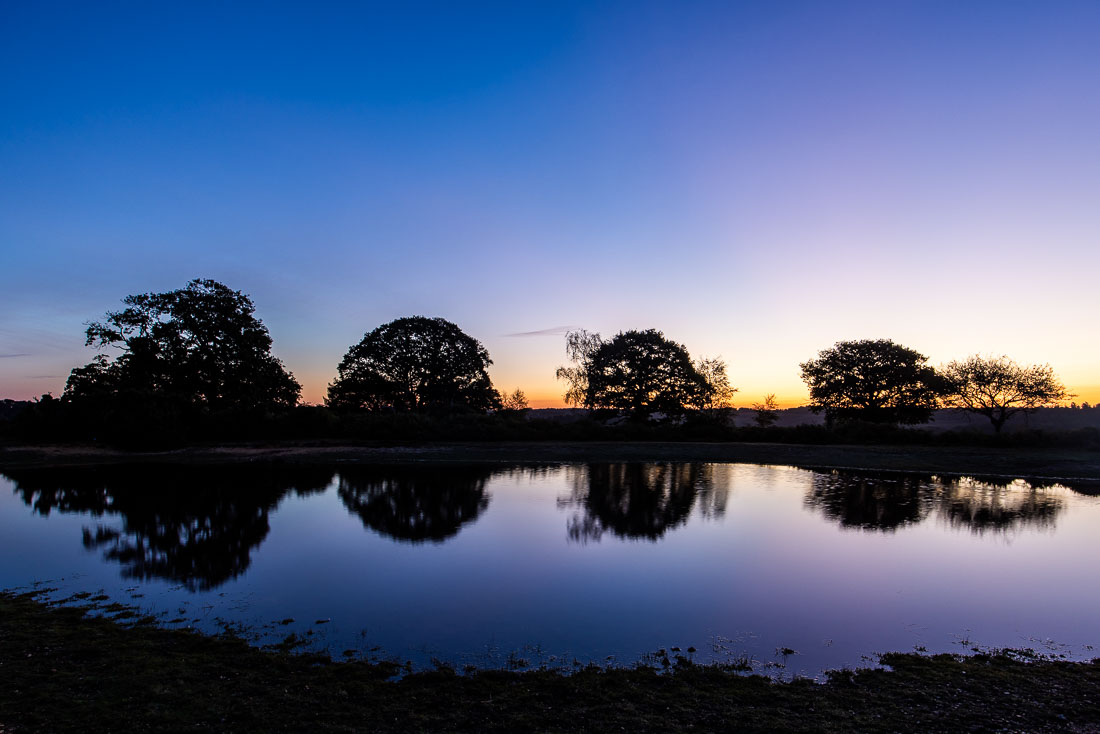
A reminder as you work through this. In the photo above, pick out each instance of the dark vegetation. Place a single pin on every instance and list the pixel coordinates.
(197, 346)
(195, 366)
(872, 381)
(65, 670)
(998, 388)
(641, 375)
(415, 365)
(54, 420)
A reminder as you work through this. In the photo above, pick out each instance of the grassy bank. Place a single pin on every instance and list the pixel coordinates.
(1079, 467)
(61, 670)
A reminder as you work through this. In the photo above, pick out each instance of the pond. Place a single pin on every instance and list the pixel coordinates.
(796, 571)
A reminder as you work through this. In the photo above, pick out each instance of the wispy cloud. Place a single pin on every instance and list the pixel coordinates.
(552, 331)
(13, 356)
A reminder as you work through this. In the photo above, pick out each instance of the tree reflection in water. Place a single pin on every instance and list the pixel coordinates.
(999, 507)
(886, 503)
(415, 503)
(639, 501)
(196, 525)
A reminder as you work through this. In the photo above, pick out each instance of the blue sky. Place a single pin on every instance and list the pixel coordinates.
(758, 180)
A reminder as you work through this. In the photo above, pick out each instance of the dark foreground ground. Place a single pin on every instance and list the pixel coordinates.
(61, 670)
(1080, 466)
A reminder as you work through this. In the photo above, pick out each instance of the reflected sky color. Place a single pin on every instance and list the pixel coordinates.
(757, 180)
(731, 559)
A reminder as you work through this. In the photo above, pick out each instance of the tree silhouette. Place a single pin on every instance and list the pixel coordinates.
(196, 526)
(201, 345)
(998, 388)
(515, 403)
(766, 413)
(637, 501)
(580, 345)
(996, 506)
(642, 373)
(413, 503)
(889, 502)
(876, 381)
(719, 394)
(869, 501)
(415, 364)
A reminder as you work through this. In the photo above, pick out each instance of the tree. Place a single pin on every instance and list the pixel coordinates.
(415, 364)
(765, 412)
(415, 503)
(872, 380)
(720, 392)
(637, 501)
(198, 529)
(200, 344)
(580, 345)
(998, 388)
(516, 402)
(643, 373)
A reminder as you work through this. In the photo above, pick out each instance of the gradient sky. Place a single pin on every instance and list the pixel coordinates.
(757, 180)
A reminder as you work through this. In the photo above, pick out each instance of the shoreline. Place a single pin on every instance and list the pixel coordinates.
(128, 673)
(1074, 466)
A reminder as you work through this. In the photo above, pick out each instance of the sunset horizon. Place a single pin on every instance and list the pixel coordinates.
(758, 182)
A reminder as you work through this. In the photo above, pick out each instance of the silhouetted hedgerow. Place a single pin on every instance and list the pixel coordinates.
(146, 421)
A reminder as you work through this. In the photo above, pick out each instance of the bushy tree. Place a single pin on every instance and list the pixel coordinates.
(873, 380)
(998, 388)
(200, 345)
(415, 364)
(642, 373)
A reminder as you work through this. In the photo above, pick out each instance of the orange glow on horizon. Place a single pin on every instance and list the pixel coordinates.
(313, 393)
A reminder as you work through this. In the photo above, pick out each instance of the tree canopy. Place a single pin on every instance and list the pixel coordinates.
(415, 364)
(874, 380)
(201, 344)
(639, 372)
(998, 388)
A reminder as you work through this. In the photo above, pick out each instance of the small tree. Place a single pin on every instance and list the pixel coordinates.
(515, 402)
(415, 364)
(580, 345)
(998, 388)
(872, 380)
(766, 412)
(720, 392)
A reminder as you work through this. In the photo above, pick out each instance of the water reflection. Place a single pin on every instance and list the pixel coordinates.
(882, 503)
(639, 501)
(194, 525)
(982, 506)
(415, 503)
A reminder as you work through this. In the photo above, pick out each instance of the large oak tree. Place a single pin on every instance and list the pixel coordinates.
(201, 345)
(873, 380)
(415, 364)
(638, 372)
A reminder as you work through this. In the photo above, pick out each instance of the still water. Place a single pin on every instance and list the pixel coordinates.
(596, 562)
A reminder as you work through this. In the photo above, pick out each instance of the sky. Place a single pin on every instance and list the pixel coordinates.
(756, 180)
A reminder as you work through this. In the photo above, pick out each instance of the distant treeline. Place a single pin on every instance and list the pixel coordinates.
(195, 365)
